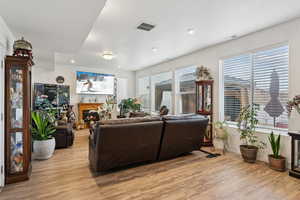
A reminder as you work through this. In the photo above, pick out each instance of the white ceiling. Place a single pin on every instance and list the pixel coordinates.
(53, 25)
(61, 26)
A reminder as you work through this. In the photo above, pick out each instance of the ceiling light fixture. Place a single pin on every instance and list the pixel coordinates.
(107, 55)
(191, 31)
(154, 49)
(72, 61)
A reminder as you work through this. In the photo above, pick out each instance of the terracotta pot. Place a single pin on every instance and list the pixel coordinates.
(249, 153)
(277, 164)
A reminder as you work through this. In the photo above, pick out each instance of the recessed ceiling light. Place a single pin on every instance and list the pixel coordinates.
(191, 31)
(107, 55)
(72, 61)
(154, 49)
(119, 66)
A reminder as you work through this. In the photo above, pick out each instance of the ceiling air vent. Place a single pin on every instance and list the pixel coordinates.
(145, 27)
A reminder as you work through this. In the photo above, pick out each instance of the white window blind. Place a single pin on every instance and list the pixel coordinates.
(260, 79)
(271, 67)
(237, 79)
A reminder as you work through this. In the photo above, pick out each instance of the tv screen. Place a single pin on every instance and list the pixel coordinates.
(94, 83)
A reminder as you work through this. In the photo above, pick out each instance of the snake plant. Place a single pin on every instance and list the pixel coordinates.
(275, 144)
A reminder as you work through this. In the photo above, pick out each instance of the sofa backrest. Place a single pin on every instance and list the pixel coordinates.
(129, 120)
(182, 136)
(122, 144)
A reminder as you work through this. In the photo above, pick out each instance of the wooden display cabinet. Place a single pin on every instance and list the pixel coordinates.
(204, 106)
(18, 118)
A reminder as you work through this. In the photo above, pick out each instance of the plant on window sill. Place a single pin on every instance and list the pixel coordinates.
(294, 103)
(247, 123)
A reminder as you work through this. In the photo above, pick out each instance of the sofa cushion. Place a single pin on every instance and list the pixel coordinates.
(129, 120)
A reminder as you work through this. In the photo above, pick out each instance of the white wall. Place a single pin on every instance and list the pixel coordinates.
(48, 75)
(6, 41)
(209, 57)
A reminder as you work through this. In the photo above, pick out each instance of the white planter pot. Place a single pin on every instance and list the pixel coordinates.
(114, 113)
(219, 144)
(44, 149)
(294, 119)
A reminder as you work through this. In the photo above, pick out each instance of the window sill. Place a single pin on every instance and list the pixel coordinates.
(264, 130)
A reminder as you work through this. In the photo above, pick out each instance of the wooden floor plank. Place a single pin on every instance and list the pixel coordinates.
(192, 177)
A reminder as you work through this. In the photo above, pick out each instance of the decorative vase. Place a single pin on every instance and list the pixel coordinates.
(249, 153)
(219, 145)
(43, 149)
(294, 120)
(114, 112)
(127, 115)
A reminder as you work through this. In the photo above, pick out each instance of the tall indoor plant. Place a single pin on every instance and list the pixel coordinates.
(276, 161)
(247, 123)
(42, 133)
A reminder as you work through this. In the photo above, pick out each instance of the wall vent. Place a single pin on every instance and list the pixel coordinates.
(145, 27)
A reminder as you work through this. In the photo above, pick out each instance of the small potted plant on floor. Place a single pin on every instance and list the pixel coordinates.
(220, 135)
(247, 123)
(42, 133)
(276, 161)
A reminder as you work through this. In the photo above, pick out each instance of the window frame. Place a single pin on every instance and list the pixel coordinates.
(259, 128)
(138, 89)
(152, 94)
(177, 92)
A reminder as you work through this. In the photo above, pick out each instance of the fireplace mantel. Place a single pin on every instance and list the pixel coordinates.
(86, 106)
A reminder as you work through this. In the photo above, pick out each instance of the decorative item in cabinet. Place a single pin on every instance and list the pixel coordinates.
(204, 106)
(17, 120)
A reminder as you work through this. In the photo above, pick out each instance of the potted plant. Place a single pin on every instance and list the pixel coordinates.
(246, 125)
(220, 135)
(42, 133)
(129, 105)
(276, 161)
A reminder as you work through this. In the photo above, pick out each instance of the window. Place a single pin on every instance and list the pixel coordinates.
(161, 91)
(185, 90)
(122, 91)
(259, 79)
(144, 92)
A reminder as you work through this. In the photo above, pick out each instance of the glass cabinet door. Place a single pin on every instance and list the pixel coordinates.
(207, 98)
(16, 152)
(200, 100)
(16, 119)
(16, 97)
(296, 166)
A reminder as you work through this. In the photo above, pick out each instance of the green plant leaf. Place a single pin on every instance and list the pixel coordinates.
(42, 128)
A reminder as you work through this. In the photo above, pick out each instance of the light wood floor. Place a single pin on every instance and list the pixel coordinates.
(67, 176)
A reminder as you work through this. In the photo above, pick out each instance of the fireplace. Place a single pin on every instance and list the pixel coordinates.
(90, 115)
(84, 110)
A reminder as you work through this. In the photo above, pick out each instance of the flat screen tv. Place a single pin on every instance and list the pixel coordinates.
(94, 83)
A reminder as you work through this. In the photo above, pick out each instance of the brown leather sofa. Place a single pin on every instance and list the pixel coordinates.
(117, 144)
(181, 135)
(64, 136)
